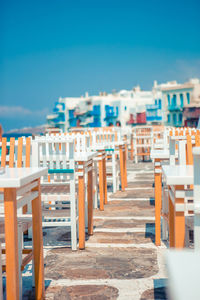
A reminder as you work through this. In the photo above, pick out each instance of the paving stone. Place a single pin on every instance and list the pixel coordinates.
(140, 166)
(102, 223)
(155, 294)
(127, 208)
(122, 238)
(144, 193)
(82, 292)
(139, 184)
(101, 263)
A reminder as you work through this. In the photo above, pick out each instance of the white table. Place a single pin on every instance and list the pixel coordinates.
(20, 181)
(159, 154)
(178, 174)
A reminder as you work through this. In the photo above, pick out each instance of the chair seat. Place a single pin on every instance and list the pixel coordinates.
(55, 193)
(55, 189)
(25, 224)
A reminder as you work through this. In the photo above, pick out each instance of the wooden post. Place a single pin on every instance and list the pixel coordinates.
(11, 239)
(90, 202)
(38, 245)
(3, 152)
(81, 208)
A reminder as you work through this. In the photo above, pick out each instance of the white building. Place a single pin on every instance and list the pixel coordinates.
(99, 110)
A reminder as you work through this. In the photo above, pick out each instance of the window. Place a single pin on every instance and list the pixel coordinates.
(188, 98)
(117, 110)
(125, 107)
(155, 102)
(168, 118)
(180, 118)
(160, 103)
(174, 119)
(168, 98)
(181, 100)
(174, 100)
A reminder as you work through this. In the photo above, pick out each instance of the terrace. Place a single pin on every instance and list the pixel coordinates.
(111, 246)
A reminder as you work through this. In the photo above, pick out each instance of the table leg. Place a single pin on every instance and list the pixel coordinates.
(101, 181)
(38, 245)
(125, 169)
(105, 181)
(131, 149)
(171, 223)
(179, 223)
(90, 201)
(158, 199)
(11, 240)
(81, 208)
(121, 168)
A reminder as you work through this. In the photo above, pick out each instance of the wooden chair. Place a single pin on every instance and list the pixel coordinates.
(142, 142)
(58, 188)
(106, 140)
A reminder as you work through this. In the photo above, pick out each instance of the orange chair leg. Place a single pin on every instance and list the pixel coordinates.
(105, 182)
(90, 202)
(171, 223)
(121, 167)
(125, 169)
(101, 187)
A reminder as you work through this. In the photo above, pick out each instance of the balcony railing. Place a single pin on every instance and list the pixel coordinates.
(153, 106)
(174, 107)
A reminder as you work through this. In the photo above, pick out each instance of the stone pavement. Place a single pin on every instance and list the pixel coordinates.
(120, 260)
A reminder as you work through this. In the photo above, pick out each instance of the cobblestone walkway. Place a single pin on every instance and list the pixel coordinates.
(120, 260)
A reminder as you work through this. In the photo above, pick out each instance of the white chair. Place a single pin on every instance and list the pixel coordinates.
(58, 188)
(107, 141)
(142, 141)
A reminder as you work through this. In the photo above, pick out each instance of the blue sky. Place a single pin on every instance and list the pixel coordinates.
(64, 48)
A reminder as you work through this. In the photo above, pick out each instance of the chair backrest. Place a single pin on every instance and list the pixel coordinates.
(19, 152)
(55, 153)
(192, 142)
(81, 140)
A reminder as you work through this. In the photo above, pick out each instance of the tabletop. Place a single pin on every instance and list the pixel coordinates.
(178, 174)
(18, 177)
(160, 154)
